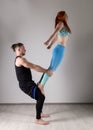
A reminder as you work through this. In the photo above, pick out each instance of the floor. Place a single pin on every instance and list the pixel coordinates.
(62, 117)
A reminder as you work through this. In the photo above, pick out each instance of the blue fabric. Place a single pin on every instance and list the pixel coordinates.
(34, 92)
(63, 32)
(57, 57)
(44, 79)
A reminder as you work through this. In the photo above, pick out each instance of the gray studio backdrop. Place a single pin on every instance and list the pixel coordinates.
(32, 22)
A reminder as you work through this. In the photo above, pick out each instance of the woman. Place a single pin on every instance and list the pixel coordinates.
(61, 35)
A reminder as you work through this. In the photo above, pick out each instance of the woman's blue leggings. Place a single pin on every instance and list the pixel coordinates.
(57, 57)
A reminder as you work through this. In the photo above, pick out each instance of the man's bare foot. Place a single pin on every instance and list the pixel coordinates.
(41, 122)
(43, 115)
(41, 88)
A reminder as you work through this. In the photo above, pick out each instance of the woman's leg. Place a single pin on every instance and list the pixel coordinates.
(44, 79)
(45, 76)
(57, 57)
(42, 82)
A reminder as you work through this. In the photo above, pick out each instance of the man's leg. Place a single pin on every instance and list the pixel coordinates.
(39, 106)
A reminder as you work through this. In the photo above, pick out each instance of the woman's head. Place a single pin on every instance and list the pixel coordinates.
(62, 17)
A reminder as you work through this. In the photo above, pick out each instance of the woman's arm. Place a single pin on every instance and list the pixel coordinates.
(52, 42)
(52, 37)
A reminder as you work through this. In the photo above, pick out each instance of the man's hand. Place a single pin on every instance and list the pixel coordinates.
(23, 62)
(49, 72)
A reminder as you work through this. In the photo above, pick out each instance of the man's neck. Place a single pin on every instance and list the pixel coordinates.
(19, 55)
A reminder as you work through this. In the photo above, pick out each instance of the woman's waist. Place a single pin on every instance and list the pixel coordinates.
(62, 44)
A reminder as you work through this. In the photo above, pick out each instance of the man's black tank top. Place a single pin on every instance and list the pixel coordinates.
(23, 74)
(24, 77)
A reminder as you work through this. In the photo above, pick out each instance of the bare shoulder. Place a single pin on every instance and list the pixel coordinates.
(20, 61)
(19, 58)
(60, 25)
(23, 60)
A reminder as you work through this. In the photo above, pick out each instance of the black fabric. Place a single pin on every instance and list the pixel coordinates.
(40, 101)
(27, 87)
(23, 73)
(41, 77)
(24, 77)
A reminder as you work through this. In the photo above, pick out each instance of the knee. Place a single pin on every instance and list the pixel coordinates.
(42, 97)
(49, 72)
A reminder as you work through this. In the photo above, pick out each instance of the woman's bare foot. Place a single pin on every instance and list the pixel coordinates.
(41, 122)
(41, 88)
(43, 115)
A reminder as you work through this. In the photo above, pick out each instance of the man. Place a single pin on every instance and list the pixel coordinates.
(26, 84)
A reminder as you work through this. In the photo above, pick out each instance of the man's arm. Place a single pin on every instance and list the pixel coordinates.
(23, 62)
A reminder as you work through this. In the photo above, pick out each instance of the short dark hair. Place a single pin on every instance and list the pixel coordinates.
(14, 46)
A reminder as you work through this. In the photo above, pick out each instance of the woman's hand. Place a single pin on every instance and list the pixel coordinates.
(49, 47)
(46, 43)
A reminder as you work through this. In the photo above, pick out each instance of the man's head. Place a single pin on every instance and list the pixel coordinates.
(19, 48)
